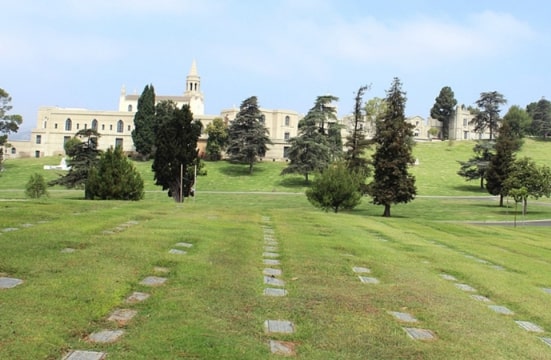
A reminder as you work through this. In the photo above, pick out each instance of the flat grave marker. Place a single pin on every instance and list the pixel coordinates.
(528, 326)
(153, 281)
(271, 272)
(420, 334)
(268, 280)
(465, 287)
(85, 355)
(137, 297)
(284, 348)
(501, 310)
(481, 298)
(184, 244)
(270, 255)
(161, 269)
(546, 340)
(361, 270)
(122, 316)
(402, 316)
(275, 292)
(270, 248)
(10, 229)
(279, 326)
(448, 277)
(8, 283)
(68, 250)
(105, 336)
(368, 280)
(271, 262)
(177, 252)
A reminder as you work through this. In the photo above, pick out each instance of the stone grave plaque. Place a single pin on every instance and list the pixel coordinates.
(271, 243)
(465, 287)
(177, 252)
(481, 298)
(161, 270)
(547, 290)
(184, 244)
(26, 225)
(360, 270)
(448, 277)
(105, 336)
(132, 222)
(279, 326)
(107, 232)
(368, 280)
(402, 316)
(270, 255)
(268, 280)
(137, 297)
(153, 281)
(546, 340)
(275, 292)
(420, 334)
(284, 348)
(122, 316)
(528, 326)
(85, 355)
(501, 310)
(271, 272)
(266, 219)
(9, 229)
(8, 283)
(270, 248)
(68, 250)
(498, 267)
(271, 262)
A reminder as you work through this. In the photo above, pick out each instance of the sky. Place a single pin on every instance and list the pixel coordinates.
(79, 53)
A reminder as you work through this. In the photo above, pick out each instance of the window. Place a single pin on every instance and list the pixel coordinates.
(262, 119)
(465, 135)
(13, 150)
(287, 136)
(37, 153)
(68, 124)
(38, 139)
(102, 127)
(111, 127)
(65, 139)
(55, 126)
(287, 120)
(286, 151)
(120, 126)
(85, 126)
(465, 122)
(45, 123)
(118, 142)
(128, 127)
(94, 124)
(78, 126)
(130, 108)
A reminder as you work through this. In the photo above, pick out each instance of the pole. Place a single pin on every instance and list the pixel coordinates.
(181, 182)
(195, 183)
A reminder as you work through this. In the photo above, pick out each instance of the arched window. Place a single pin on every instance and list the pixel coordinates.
(68, 124)
(287, 120)
(95, 125)
(130, 108)
(120, 126)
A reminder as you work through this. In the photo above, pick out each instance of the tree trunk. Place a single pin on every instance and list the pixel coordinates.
(306, 177)
(386, 213)
(524, 206)
(500, 200)
(251, 167)
(482, 182)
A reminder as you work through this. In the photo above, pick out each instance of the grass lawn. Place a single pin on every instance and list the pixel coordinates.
(212, 305)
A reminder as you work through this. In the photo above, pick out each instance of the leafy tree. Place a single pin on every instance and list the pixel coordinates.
(357, 143)
(309, 151)
(85, 156)
(217, 132)
(114, 178)
(143, 134)
(443, 110)
(475, 168)
(392, 183)
(8, 123)
(176, 135)
(526, 174)
(375, 108)
(540, 113)
(519, 120)
(487, 114)
(248, 138)
(36, 187)
(71, 146)
(501, 162)
(336, 188)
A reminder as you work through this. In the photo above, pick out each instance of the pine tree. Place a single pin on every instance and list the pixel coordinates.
(487, 114)
(475, 168)
(248, 138)
(176, 136)
(392, 183)
(444, 109)
(143, 134)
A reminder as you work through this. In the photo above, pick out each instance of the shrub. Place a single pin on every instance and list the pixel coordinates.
(36, 187)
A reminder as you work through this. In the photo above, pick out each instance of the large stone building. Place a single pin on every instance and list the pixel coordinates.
(56, 125)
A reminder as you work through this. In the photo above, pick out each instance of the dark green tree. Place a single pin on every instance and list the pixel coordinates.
(475, 168)
(334, 139)
(176, 155)
(36, 187)
(540, 112)
(443, 110)
(392, 183)
(526, 174)
(357, 143)
(519, 120)
(248, 138)
(336, 188)
(487, 114)
(8, 123)
(144, 121)
(114, 178)
(217, 132)
(501, 162)
(85, 156)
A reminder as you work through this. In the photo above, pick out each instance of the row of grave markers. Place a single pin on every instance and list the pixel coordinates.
(276, 287)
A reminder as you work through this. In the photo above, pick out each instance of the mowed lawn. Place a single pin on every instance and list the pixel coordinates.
(212, 305)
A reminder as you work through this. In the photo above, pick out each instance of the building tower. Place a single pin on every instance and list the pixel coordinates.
(193, 91)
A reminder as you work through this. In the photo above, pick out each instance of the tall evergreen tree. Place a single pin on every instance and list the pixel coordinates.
(487, 114)
(475, 168)
(248, 138)
(501, 162)
(392, 183)
(519, 120)
(540, 112)
(443, 110)
(176, 136)
(144, 121)
(357, 143)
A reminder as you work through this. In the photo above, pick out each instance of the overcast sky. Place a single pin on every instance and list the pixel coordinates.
(78, 53)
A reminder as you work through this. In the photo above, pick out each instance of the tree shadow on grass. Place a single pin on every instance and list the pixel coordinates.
(470, 188)
(294, 182)
(235, 170)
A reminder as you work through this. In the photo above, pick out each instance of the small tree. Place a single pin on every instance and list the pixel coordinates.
(8, 123)
(248, 138)
(336, 188)
(475, 168)
(217, 132)
(540, 112)
(526, 174)
(144, 122)
(443, 110)
(36, 187)
(114, 178)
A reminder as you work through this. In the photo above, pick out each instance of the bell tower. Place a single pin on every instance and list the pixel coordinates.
(193, 91)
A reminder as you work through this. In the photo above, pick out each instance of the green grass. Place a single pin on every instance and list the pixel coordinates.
(212, 305)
